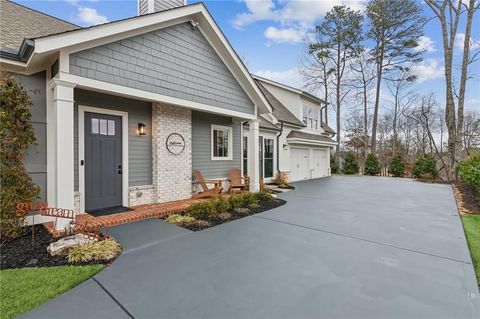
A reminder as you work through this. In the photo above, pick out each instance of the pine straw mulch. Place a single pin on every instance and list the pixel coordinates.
(468, 198)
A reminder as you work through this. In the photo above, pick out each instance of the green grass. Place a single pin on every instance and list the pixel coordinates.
(24, 289)
(471, 225)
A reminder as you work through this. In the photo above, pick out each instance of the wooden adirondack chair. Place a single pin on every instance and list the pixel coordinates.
(207, 192)
(236, 180)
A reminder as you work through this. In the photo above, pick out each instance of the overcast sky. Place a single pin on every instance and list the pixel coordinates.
(269, 35)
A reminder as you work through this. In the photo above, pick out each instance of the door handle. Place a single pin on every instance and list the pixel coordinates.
(119, 168)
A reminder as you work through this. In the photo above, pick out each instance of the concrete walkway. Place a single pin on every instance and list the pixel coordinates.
(342, 247)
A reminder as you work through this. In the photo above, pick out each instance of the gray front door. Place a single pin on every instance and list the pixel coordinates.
(103, 161)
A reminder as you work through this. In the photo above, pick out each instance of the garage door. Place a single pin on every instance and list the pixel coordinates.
(299, 164)
(320, 165)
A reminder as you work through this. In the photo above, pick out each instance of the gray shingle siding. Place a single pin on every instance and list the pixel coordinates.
(176, 61)
(201, 145)
(143, 7)
(139, 147)
(161, 5)
(36, 156)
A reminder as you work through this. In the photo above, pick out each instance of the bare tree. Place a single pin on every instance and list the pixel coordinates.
(471, 131)
(317, 73)
(395, 27)
(425, 115)
(362, 83)
(398, 84)
(448, 13)
(341, 33)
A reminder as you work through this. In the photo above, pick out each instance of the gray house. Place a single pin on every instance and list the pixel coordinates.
(125, 111)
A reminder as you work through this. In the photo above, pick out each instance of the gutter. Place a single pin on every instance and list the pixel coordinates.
(23, 54)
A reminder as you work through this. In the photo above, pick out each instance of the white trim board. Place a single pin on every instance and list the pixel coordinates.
(81, 151)
(105, 87)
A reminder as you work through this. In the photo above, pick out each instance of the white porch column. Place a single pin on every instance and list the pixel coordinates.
(253, 157)
(63, 143)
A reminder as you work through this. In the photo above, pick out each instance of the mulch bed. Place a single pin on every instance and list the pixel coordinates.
(432, 181)
(234, 215)
(468, 198)
(20, 252)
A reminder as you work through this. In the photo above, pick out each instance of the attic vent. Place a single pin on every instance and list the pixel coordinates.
(151, 6)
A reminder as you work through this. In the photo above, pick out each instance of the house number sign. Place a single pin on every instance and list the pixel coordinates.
(175, 143)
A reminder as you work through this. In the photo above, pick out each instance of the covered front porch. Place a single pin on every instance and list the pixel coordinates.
(124, 154)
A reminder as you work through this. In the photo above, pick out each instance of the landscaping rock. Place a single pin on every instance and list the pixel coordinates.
(61, 246)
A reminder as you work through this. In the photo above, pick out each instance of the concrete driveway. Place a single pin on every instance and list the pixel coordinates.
(342, 247)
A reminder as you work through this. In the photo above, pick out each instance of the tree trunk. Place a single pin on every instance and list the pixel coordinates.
(377, 104)
(463, 82)
(338, 115)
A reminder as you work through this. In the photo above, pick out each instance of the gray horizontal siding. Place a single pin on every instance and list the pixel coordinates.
(36, 157)
(176, 61)
(139, 147)
(201, 145)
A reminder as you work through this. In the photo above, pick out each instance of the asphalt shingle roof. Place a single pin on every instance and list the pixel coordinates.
(279, 110)
(308, 136)
(18, 22)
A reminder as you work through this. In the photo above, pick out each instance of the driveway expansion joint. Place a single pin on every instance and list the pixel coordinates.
(114, 299)
(363, 239)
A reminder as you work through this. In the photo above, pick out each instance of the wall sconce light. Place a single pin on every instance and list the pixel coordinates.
(141, 129)
(285, 147)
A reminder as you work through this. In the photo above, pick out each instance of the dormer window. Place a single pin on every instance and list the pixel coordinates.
(310, 117)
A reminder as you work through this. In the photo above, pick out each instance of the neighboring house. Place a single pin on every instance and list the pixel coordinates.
(293, 138)
(112, 96)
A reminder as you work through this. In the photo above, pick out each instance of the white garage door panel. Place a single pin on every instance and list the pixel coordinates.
(299, 164)
(320, 164)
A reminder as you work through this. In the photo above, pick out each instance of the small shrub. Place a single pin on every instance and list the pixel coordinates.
(235, 200)
(202, 210)
(179, 219)
(469, 171)
(249, 198)
(242, 211)
(396, 167)
(263, 197)
(221, 205)
(425, 167)
(224, 216)
(102, 250)
(254, 206)
(350, 164)
(333, 165)
(281, 178)
(372, 167)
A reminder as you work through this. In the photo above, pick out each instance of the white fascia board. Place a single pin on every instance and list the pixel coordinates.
(137, 25)
(280, 85)
(120, 90)
(309, 142)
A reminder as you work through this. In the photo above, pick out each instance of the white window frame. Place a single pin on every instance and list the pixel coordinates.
(311, 114)
(230, 142)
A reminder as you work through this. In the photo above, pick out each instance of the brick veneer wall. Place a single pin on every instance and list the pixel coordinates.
(172, 174)
(141, 195)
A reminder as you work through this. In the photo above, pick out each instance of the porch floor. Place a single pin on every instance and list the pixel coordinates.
(138, 213)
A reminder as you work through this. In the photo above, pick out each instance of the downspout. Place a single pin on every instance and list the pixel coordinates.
(278, 146)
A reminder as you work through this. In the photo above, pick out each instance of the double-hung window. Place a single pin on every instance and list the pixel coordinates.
(310, 117)
(221, 142)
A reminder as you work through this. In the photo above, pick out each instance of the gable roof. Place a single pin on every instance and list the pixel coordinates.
(290, 88)
(311, 137)
(18, 23)
(44, 49)
(280, 111)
